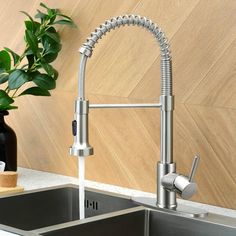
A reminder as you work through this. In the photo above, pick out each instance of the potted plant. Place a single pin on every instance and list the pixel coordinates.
(30, 73)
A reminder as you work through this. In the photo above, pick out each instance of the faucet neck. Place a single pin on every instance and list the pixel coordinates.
(166, 199)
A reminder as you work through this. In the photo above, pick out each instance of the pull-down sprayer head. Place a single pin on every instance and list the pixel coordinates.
(81, 146)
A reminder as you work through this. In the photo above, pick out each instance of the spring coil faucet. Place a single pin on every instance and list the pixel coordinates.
(168, 181)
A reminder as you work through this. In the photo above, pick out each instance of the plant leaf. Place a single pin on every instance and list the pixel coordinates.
(51, 29)
(44, 81)
(28, 52)
(32, 41)
(64, 16)
(41, 15)
(5, 100)
(5, 60)
(54, 36)
(30, 59)
(67, 18)
(14, 55)
(50, 57)
(51, 42)
(8, 107)
(55, 74)
(36, 91)
(50, 46)
(65, 22)
(29, 25)
(48, 68)
(53, 18)
(32, 26)
(17, 78)
(49, 10)
(43, 5)
(4, 77)
(27, 15)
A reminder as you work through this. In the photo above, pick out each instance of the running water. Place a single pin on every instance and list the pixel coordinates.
(81, 169)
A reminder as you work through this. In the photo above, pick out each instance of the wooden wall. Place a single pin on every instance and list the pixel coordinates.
(125, 68)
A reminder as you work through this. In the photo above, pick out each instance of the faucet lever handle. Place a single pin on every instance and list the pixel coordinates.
(194, 168)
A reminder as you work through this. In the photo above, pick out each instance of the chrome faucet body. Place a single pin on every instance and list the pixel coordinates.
(168, 182)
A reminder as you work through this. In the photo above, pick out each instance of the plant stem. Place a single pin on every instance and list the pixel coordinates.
(6, 89)
(13, 95)
(21, 57)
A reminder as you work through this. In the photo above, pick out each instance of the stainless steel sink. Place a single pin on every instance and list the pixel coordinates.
(145, 222)
(55, 211)
(51, 206)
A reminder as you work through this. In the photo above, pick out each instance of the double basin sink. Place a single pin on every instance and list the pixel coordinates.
(55, 211)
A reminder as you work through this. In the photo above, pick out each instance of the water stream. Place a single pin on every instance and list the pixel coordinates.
(81, 169)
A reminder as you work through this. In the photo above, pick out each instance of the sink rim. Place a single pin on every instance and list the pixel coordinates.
(65, 186)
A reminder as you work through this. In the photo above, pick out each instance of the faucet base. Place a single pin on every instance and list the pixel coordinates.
(181, 209)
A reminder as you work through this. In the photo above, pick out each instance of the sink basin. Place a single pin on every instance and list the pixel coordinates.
(146, 222)
(36, 209)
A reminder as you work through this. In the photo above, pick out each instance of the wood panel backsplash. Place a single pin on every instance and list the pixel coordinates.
(125, 68)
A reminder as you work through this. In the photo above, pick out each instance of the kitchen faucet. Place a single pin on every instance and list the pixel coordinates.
(168, 181)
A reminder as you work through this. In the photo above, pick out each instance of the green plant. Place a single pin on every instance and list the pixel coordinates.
(32, 67)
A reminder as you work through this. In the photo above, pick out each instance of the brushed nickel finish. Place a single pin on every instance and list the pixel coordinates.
(165, 197)
(137, 105)
(168, 181)
(81, 146)
(181, 184)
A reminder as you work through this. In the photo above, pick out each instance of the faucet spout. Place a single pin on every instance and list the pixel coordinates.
(166, 198)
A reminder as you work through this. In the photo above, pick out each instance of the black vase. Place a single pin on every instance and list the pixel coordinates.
(8, 144)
